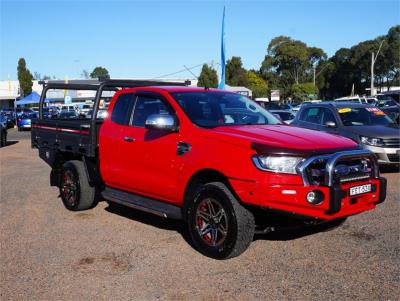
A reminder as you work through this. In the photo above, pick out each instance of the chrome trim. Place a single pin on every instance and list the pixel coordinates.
(332, 159)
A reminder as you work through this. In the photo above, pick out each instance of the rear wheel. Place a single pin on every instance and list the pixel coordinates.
(3, 141)
(220, 227)
(75, 191)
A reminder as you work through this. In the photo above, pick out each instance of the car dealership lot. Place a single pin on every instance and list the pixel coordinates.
(49, 253)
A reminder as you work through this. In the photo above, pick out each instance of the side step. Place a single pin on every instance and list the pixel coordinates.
(142, 203)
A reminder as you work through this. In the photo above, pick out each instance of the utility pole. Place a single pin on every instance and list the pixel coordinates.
(373, 60)
(314, 67)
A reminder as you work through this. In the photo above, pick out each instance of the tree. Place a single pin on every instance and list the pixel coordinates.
(24, 77)
(208, 77)
(99, 71)
(304, 92)
(236, 75)
(290, 62)
(257, 84)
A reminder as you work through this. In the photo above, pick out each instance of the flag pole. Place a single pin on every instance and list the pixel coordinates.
(222, 82)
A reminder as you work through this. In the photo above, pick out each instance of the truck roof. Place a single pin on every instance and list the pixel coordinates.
(172, 89)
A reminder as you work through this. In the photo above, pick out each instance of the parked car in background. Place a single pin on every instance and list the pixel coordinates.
(266, 104)
(365, 124)
(26, 111)
(69, 107)
(286, 116)
(101, 114)
(9, 117)
(354, 99)
(393, 112)
(386, 103)
(371, 100)
(24, 121)
(84, 108)
(297, 108)
(287, 106)
(392, 95)
(50, 112)
(66, 114)
(3, 131)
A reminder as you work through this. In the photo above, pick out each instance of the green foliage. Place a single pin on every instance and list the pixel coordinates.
(208, 77)
(99, 71)
(304, 91)
(257, 84)
(24, 77)
(236, 75)
(353, 66)
(290, 62)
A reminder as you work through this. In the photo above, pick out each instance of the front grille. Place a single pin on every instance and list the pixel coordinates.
(339, 167)
(391, 142)
(394, 157)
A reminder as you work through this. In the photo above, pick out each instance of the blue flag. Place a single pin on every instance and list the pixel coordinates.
(222, 82)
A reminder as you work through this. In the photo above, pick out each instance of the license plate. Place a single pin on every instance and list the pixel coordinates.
(360, 189)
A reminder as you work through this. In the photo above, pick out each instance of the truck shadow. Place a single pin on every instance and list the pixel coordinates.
(299, 231)
(392, 168)
(150, 219)
(284, 230)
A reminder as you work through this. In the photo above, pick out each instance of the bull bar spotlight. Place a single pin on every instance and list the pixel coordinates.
(315, 197)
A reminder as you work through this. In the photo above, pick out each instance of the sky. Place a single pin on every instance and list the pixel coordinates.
(149, 39)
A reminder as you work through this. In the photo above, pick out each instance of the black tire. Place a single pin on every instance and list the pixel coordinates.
(75, 191)
(3, 139)
(234, 220)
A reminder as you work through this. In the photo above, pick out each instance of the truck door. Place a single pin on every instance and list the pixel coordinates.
(149, 156)
(111, 139)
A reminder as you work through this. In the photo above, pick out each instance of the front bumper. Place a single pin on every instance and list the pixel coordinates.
(385, 155)
(288, 193)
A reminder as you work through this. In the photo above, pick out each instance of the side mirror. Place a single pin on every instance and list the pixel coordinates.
(330, 124)
(161, 122)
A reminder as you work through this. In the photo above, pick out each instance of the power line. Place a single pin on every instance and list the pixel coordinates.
(187, 69)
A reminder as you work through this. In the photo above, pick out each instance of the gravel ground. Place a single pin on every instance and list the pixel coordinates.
(115, 253)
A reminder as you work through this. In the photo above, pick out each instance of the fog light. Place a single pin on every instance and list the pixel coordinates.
(315, 197)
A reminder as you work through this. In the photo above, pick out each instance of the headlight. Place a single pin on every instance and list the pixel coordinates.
(371, 141)
(277, 164)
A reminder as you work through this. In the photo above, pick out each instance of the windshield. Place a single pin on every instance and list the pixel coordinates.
(210, 109)
(363, 116)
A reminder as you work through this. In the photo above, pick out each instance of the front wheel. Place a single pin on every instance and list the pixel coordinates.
(75, 191)
(220, 227)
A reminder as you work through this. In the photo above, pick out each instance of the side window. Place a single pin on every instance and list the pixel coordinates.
(312, 115)
(327, 116)
(146, 106)
(122, 108)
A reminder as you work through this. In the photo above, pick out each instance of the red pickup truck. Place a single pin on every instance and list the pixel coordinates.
(210, 157)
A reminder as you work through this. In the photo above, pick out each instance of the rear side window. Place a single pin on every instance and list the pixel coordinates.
(122, 108)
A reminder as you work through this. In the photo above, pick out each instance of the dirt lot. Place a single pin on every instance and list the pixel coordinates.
(49, 253)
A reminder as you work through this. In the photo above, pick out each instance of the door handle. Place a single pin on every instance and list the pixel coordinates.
(129, 139)
(183, 148)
